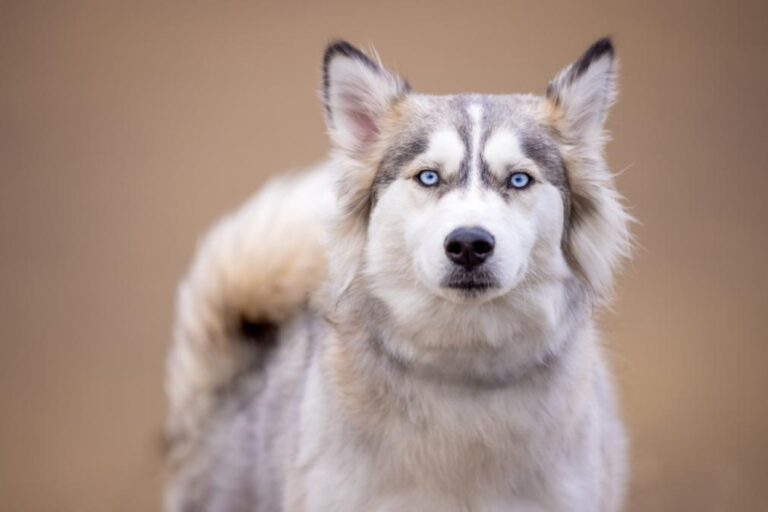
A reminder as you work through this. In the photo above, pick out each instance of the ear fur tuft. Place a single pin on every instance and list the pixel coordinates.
(599, 48)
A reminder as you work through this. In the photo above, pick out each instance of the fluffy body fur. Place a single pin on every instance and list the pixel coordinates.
(334, 352)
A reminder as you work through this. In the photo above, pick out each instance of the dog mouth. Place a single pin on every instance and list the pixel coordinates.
(470, 282)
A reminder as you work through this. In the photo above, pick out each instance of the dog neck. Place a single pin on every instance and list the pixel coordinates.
(493, 345)
(376, 382)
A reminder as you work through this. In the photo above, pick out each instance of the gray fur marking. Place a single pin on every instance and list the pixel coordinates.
(497, 112)
(396, 157)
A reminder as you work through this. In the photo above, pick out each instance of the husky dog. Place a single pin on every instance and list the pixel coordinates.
(409, 326)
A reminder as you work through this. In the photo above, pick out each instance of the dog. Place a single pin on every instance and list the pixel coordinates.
(409, 326)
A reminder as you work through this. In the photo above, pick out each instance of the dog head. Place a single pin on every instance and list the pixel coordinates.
(464, 199)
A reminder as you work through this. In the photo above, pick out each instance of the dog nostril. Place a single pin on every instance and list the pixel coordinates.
(482, 247)
(454, 248)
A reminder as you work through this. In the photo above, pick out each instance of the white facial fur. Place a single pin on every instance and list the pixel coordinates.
(410, 223)
(445, 151)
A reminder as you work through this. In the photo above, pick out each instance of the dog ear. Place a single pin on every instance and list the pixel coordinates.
(576, 105)
(357, 93)
(582, 93)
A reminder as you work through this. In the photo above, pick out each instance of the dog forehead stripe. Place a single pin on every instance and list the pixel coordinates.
(475, 111)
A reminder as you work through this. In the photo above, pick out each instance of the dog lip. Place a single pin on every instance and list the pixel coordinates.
(471, 285)
(472, 282)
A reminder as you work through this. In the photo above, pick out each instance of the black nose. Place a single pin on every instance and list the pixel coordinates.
(469, 247)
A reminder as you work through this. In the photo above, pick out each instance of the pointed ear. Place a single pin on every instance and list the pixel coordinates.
(357, 93)
(582, 93)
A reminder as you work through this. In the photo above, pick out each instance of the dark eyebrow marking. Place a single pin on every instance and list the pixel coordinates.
(548, 157)
(545, 155)
(395, 158)
(549, 160)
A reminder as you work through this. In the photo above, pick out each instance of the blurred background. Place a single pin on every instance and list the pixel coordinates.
(127, 128)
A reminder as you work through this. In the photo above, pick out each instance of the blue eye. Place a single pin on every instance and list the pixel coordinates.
(520, 180)
(428, 178)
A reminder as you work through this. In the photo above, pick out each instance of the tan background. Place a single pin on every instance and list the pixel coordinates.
(126, 129)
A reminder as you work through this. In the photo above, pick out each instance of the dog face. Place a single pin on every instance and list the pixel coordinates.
(464, 198)
(467, 189)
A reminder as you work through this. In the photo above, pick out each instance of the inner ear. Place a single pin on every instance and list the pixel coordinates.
(365, 126)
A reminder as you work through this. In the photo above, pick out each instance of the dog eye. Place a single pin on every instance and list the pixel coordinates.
(428, 178)
(520, 180)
